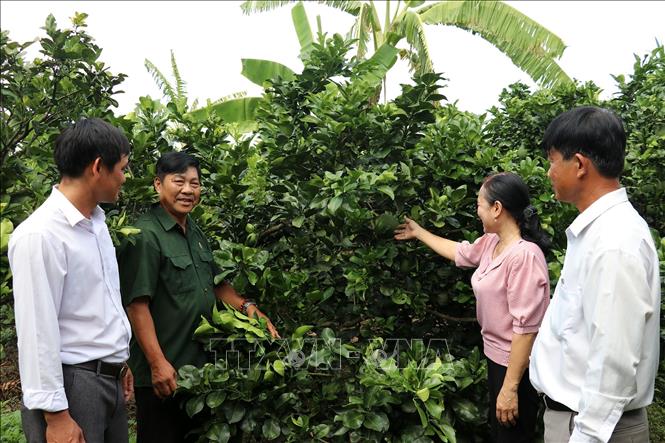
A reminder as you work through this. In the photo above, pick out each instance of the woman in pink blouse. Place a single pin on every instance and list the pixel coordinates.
(511, 286)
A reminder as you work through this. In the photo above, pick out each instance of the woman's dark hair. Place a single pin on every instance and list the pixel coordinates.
(176, 162)
(593, 132)
(512, 192)
(85, 141)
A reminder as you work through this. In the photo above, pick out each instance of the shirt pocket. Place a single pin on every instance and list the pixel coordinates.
(566, 310)
(207, 266)
(179, 275)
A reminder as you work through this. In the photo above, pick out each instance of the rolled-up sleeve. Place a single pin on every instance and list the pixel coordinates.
(615, 305)
(468, 255)
(528, 292)
(38, 268)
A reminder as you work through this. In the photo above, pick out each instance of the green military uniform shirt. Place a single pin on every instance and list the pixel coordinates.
(176, 271)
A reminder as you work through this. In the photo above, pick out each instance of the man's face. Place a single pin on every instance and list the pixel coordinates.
(111, 180)
(563, 176)
(179, 192)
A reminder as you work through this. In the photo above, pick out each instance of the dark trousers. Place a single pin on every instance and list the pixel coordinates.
(528, 403)
(161, 421)
(96, 403)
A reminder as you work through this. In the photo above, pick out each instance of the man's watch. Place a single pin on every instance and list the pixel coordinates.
(245, 305)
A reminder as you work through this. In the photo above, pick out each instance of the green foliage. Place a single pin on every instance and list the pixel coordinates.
(530, 46)
(10, 426)
(313, 387)
(300, 214)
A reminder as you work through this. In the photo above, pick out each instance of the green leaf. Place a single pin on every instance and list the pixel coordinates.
(219, 433)
(298, 221)
(448, 431)
(50, 26)
(270, 429)
(239, 110)
(195, 405)
(261, 71)
(334, 204)
(530, 46)
(423, 394)
(388, 191)
(434, 408)
(321, 430)
(215, 398)
(301, 331)
(303, 30)
(421, 414)
(6, 229)
(278, 366)
(233, 412)
(205, 328)
(378, 65)
(350, 419)
(376, 421)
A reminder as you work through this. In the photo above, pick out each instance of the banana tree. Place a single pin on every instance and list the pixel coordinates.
(530, 46)
(242, 110)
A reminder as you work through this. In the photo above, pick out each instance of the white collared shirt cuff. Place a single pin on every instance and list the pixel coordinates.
(50, 401)
(578, 437)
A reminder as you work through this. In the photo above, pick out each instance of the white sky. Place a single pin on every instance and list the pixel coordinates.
(210, 38)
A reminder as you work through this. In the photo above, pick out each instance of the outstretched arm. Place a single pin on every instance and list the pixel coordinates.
(442, 246)
(226, 293)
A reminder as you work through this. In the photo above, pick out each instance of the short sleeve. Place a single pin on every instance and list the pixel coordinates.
(138, 265)
(468, 255)
(528, 291)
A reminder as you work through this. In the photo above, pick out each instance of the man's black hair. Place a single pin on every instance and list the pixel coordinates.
(86, 140)
(593, 132)
(175, 163)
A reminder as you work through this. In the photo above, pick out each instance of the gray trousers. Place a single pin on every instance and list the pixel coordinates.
(631, 428)
(96, 403)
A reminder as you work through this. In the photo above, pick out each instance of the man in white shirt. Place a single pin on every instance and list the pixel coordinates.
(596, 356)
(73, 334)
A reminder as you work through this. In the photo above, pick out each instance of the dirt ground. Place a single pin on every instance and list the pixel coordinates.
(10, 384)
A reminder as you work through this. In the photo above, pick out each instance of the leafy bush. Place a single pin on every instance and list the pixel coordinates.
(382, 343)
(10, 427)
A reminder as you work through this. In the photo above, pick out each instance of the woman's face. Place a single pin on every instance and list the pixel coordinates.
(486, 212)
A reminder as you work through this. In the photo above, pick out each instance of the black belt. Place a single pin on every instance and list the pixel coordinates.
(555, 405)
(115, 370)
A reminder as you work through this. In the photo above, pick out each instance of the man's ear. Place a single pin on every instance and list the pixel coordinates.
(583, 165)
(157, 183)
(96, 167)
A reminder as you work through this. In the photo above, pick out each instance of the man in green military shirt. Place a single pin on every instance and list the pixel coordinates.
(167, 283)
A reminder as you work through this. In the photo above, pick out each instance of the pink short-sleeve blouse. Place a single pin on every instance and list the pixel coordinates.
(512, 290)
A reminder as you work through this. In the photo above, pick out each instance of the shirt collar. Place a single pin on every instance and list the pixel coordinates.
(164, 218)
(597, 208)
(70, 212)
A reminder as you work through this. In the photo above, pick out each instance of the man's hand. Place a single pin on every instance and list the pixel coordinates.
(61, 428)
(408, 230)
(128, 384)
(506, 406)
(252, 311)
(163, 378)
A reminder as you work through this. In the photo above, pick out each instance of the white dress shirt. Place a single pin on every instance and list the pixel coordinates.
(66, 298)
(597, 349)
